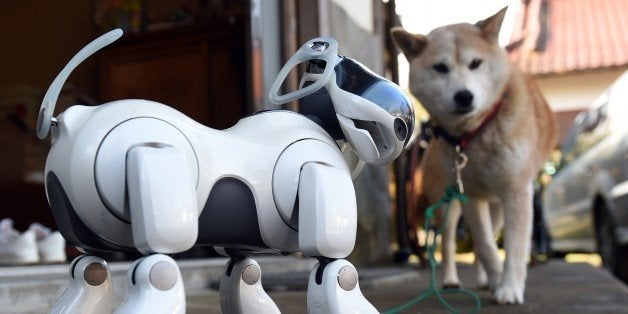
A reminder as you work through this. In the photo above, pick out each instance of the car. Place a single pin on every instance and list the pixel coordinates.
(586, 203)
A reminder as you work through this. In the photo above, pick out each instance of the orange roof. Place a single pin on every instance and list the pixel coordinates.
(560, 36)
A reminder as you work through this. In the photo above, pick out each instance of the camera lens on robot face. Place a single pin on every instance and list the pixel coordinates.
(319, 45)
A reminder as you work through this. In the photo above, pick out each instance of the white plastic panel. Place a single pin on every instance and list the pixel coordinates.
(288, 170)
(110, 165)
(162, 200)
(327, 211)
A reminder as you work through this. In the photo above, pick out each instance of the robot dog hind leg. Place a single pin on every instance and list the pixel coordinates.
(155, 286)
(89, 290)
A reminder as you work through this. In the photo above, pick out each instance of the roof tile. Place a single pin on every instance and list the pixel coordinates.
(582, 35)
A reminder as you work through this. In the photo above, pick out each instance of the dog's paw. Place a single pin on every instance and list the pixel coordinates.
(447, 286)
(508, 295)
(452, 283)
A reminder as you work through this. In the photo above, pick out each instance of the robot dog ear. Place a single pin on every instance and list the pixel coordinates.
(324, 49)
(410, 44)
(44, 121)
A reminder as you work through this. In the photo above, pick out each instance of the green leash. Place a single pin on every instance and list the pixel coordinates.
(451, 194)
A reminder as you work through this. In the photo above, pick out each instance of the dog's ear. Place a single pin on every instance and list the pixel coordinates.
(491, 26)
(410, 44)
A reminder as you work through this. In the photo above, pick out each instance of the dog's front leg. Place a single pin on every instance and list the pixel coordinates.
(478, 219)
(497, 223)
(450, 273)
(518, 227)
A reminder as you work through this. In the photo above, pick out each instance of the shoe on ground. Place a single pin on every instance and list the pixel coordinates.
(17, 248)
(50, 245)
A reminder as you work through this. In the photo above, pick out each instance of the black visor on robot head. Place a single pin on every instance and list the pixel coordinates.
(355, 78)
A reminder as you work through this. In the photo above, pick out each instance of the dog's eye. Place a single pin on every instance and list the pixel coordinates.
(475, 64)
(441, 68)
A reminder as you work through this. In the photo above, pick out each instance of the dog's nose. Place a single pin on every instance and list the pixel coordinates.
(463, 98)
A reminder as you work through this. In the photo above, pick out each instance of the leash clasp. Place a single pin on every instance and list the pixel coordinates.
(460, 161)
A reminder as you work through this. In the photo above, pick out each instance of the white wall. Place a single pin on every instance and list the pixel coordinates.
(575, 91)
(351, 23)
(266, 40)
(360, 12)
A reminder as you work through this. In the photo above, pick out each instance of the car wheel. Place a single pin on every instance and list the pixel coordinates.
(614, 256)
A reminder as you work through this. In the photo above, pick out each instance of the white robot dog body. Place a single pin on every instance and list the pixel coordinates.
(87, 165)
(135, 175)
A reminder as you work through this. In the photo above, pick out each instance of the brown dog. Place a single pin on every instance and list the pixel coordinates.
(481, 107)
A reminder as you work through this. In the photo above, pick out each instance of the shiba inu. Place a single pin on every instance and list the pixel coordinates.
(486, 113)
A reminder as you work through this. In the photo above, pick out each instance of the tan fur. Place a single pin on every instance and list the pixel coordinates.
(504, 157)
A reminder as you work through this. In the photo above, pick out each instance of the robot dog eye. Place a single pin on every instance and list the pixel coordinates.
(401, 130)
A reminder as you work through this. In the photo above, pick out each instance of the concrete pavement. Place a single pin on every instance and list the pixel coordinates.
(553, 287)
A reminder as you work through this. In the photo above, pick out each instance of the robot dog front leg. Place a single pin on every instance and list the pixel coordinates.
(327, 230)
(241, 288)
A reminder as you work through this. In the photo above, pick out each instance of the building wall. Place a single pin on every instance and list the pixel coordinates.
(40, 37)
(569, 94)
(355, 24)
(577, 91)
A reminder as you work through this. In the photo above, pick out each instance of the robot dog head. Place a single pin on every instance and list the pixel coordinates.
(374, 115)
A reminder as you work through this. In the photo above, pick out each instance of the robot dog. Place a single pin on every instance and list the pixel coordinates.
(135, 175)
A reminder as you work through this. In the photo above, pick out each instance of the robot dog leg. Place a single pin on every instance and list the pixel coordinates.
(89, 290)
(241, 288)
(333, 288)
(327, 229)
(155, 286)
(155, 283)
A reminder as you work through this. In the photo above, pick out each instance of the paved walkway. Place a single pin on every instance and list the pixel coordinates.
(554, 287)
